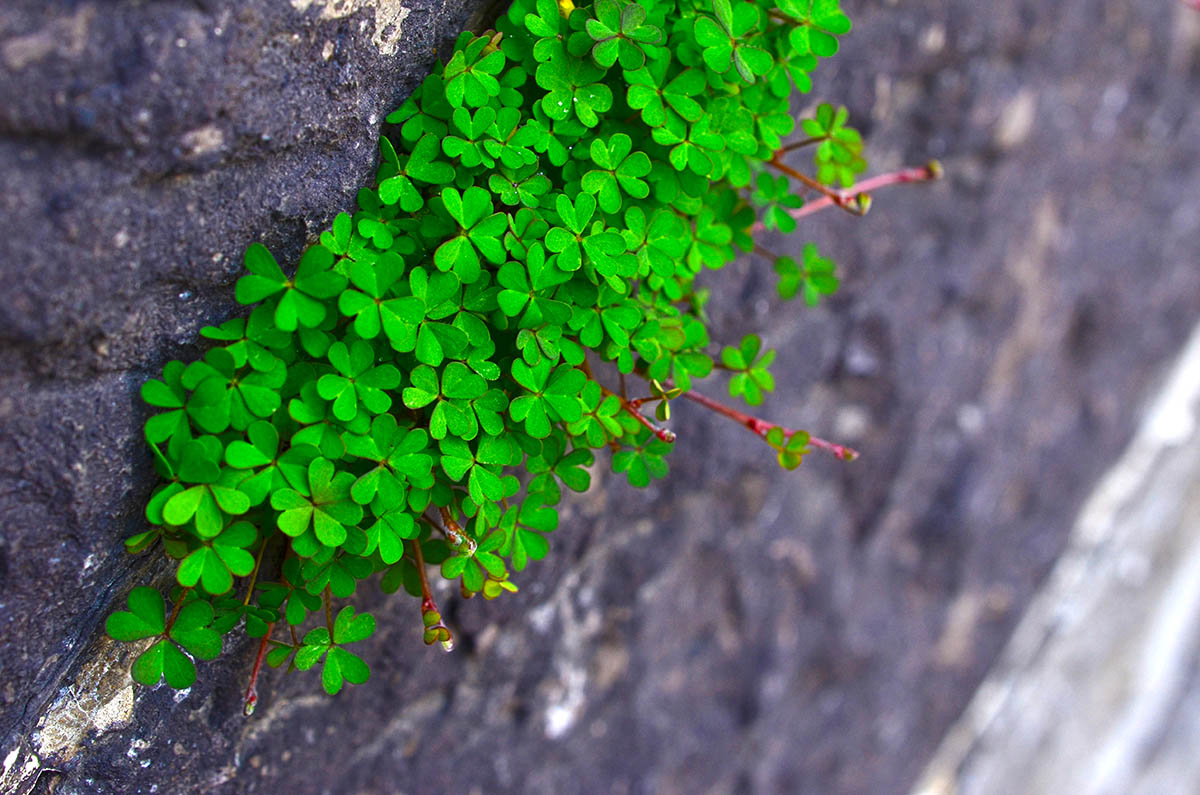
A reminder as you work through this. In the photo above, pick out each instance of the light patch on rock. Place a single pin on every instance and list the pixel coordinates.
(65, 38)
(203, 140)
(100, 700)
(389, 15)
(1016, 120)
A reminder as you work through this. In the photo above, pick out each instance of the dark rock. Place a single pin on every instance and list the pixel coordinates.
(734, 628)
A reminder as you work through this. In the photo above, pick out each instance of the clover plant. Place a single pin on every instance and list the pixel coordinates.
(443, 362)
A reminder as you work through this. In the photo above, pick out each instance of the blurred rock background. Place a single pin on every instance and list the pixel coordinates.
(732, 629)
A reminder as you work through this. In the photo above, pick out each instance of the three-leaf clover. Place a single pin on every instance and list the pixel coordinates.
(479, 232)
(147, 618)
(723, 41)
(573, 90)
(553, 395)
(412, 323)
(643, 462)
(208, 499)
(838, 156)
(474, 567)
(302, 301)
(341, 666)
(322, 506)
(821, 22)
(790, 448)
(580, 239)
(397, 180)
(751, 377)
(774, 194)
(621, 33)
(816, 278)
(215, 563)
(357, 383)
(481, 465)
(399, 456)
(648, 94)
(471, 73)
(527, 289)
(618, 169)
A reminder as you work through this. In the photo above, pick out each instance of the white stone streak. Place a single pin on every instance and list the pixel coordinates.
(389, 16)
(1095, 693)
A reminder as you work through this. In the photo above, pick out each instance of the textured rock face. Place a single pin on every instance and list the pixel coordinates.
(735, 628)
(142, 147)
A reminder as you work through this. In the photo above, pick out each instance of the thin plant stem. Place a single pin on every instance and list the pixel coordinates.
(847, 203)
(763, 427)
(175, 610)
(254, 574)
(930, 171)
(794, 145)
(252, 691)
(329, 612)
(664, 434)
(764, 252)
(427, 602)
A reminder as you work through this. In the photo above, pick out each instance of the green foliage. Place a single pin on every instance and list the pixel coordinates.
(749, 364)
(417, 394)
(815, 276)
(838, 156)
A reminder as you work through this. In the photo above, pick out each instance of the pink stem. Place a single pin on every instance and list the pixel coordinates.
(933, 170)
(252, 691)
(763, 427)
(631, 407)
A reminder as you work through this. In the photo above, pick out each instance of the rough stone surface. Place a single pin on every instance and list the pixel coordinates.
(734, 628)
(1096, 693)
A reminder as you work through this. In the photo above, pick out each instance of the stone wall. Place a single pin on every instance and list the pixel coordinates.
(734, 628)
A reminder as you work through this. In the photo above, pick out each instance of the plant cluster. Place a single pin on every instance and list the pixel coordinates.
(421, 390)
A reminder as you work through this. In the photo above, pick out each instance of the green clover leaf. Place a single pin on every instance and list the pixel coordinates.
(816, 278)
(398, 179)
(573, 90)
(619, 169)
(774, 194)
(164, 659)
(361, 383)
(340, 666)
(751, 377)
(215, 563)
(323, 505)
(302, 302)
(471, 73)
(400, 458)
(553, 396)
(479, 232)
(643, 462)
(838, 156)
(822, 21)
(658, 102)
(621, 32)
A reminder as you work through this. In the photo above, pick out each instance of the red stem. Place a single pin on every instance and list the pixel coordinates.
(794, 145)
(427, 603)
(931, 171)
(329, 613)
(175, 611)
(847, 203)
(762, 427)
(252, 691)
(665, 434)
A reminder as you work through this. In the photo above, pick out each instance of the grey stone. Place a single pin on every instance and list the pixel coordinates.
(733, 628)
